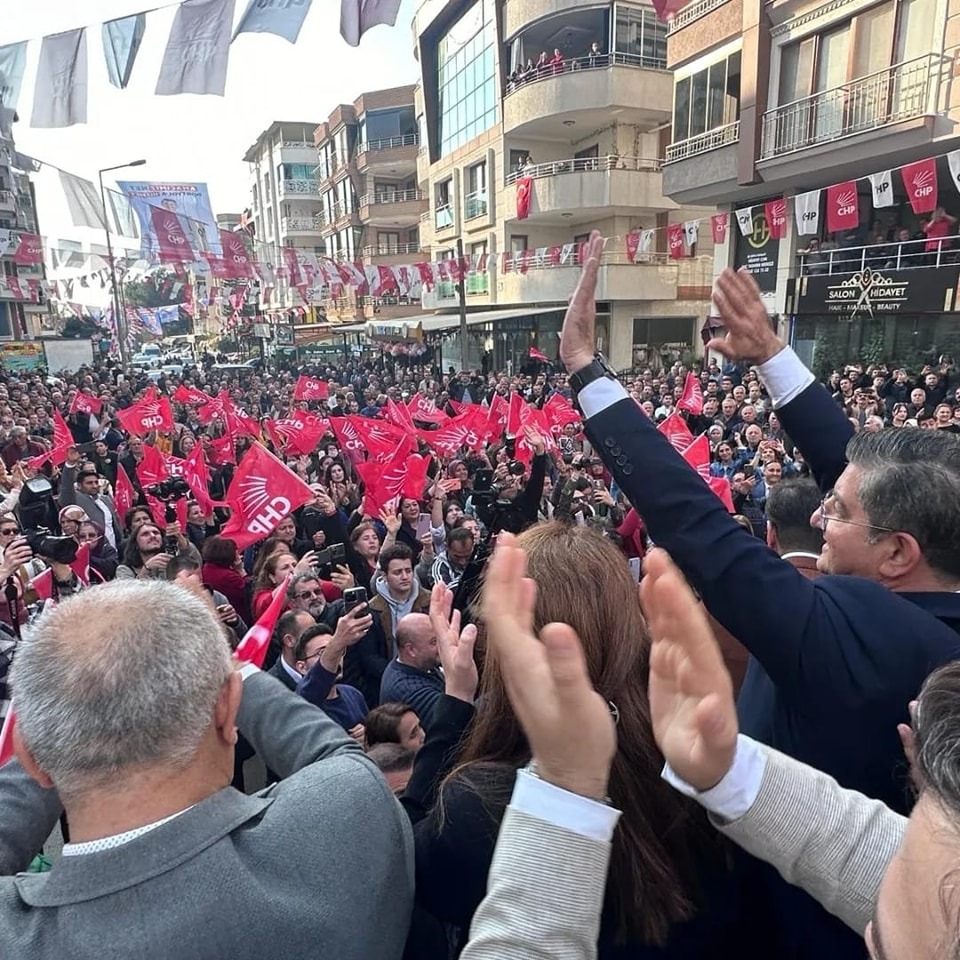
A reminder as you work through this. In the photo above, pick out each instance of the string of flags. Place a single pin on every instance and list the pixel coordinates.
(920, 183)
(195, 59)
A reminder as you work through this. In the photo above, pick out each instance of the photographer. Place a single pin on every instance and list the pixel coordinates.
(517, 505)
(145, 557)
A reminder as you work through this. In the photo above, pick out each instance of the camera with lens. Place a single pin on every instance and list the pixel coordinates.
(169, 490)
(38, 515)
(516, 468)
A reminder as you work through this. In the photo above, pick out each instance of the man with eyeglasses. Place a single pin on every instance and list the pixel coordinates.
(834, 661)
(290, 627)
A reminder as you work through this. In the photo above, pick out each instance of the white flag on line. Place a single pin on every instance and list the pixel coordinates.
(282, 18)
(198, 49)
(646, 241)
(13, 62)
(691, 233)
(806, 211)
(83, 201)
(745, 221)
(882, 186)
(60, 93)
(358, 16)
(953, 162)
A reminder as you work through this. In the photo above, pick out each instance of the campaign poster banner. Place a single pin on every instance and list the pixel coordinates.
(189, 201)
(21, 355)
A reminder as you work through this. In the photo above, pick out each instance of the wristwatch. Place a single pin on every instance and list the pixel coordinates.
(595, 370)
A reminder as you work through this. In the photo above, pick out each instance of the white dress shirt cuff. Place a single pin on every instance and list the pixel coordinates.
(595, 397)
(737, 792)
(785, 377)
(543, 800)
(248, 670)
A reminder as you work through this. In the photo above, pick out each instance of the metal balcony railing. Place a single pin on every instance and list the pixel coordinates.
(553, 168)
(704, 142)
(298, 145)
(901, 92)
(390, 196)
(899, 255)
(389, 143)
(300, 187)
(476, 285)
(608, 258)
(550, 71)
(475, 205)
(7, 200)
(389, 250)
(290, 224)
(443, 216)
(691, 12)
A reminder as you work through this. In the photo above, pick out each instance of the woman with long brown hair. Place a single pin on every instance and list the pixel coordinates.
(673, 891)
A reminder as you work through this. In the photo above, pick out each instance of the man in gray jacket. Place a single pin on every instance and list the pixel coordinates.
(130, 723)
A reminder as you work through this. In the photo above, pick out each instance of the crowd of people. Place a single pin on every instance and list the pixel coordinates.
(403, 666)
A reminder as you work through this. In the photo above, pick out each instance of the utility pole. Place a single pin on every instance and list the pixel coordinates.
(462, 295)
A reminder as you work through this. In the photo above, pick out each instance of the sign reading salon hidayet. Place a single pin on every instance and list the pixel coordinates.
(872, 293)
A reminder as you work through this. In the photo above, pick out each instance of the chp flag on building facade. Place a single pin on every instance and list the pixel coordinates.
(806, 212)
(920, 182)
(263, 492)
(881, 186)
(776, 213)
(718, 227)
(843, 207)
(745, 221)
(675, 240)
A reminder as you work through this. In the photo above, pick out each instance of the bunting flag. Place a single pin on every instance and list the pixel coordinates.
(358, 16)
(235, 256)
(282, 18)
(745, 221)
(920, 181)
(646, 240)
(881, 186)
(691, 233)
(675, 242)
(29, 251)
(83, 201)
(806, 212)
(263, 492)
(60, 91)
(691, 400)
(633, 245)
(198, 49)
(172, 243)
(121, 44)
(256, 641)
(843, 208)
(776, 213)
(718, 227)
(13, 63)
(124, 494)
(524, 197)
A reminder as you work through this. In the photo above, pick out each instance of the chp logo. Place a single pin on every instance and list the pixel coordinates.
(778, 215)
(151, 416)
(847, 203)
(923, 183)
(262, 512)
(171, 227)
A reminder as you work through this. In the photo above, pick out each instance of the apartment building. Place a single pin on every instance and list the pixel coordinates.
(783, 98)
(285, 202)
(590, 131)
(370, 201)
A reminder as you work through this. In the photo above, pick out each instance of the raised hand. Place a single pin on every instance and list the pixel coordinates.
(568, 724)
(454, 646)
(391, 520)
(534, 440)
(749, 335)
(691, 695)
(578, 337)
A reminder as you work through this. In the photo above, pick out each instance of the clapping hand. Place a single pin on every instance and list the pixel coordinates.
(691, 694)
(568, 724)
(454, 646)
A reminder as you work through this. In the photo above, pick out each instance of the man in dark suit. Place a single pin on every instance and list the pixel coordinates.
(80, 485)
(290, 627)
(842, 656)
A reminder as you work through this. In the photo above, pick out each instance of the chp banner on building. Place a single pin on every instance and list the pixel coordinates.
(189, 203)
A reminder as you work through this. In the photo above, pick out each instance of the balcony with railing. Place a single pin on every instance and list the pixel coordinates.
(691, 13)
(704, 142)
(475, 205)
(299, 224)
(476, 284)
(8, 200)
(443, 216)
(593, 183)
(392, 254)
(910, 254)
(299, 188)
(587, 86)
(392, 206)
(906, 91)
(389, 152)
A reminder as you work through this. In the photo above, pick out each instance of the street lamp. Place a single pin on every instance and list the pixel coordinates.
(119, 318)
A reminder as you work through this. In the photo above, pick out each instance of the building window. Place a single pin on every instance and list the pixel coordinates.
(388, 242)
(443, 206)
(573, 33)
(295, 171)
(466, 77)
(707, 99)
(475, 202)
(385, 129)
(518, 243)
(641, 37)
(478, 282)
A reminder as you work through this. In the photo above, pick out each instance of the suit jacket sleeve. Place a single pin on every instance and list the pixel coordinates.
(68, 492)
(835, 844)
(28, 814)
(544, 894)
(287, 732)
(315, 687)
(819, 429)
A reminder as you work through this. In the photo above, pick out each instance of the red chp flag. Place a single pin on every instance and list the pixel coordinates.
(263, 492)
(124, 496)
(718, 226)
(190, 395)
(223, 450)
(675, 243)
(62, 439)
(297, 434)
(30, 250)
(150, 414)
(84, 403)
(692, 399)
(698, 456)
(776, 214)
(253, 647)
(721, 487)
(536, 354)
(633, 245)
(197, 476)
(235, 256)
(524, 197)
(172, 243)
(843, 208)
(677, 432)
(308, 388)
(920, 181)
(6, 731)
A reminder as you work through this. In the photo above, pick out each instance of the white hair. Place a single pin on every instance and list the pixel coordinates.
(121, 676)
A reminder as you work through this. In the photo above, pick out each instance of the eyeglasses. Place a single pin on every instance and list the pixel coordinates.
(825, 517)
(305, 594)
(313, 656)
(9, 532)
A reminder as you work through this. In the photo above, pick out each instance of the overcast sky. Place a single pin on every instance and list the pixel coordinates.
(190, 138)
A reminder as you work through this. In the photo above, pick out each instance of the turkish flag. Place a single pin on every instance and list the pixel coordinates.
(692, 398)
(190, 395)
(843, 207)
(425, 410)
(150, 414)
(524, 197)
(124, 495)
(718, 227)
(633, 245)
(223, 450)
(297, 434)
(380, 438)
(256, 641)
(309, 388)
(721, 487)
(84, 403)
(677, 432)
(29, 251)
(399, 416)
(239, 264)
(81, 564)
(698, 456)
(776, 214)
(514, 414)
(675, 242)
(197, 475)
(920, 181)
(6, 731)
(263, 492)
(172, 242)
